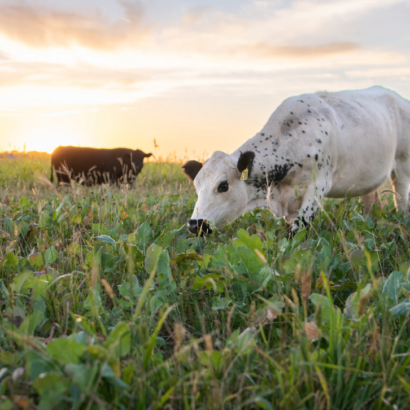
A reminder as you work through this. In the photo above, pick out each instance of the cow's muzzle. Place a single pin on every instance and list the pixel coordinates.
(199, 226)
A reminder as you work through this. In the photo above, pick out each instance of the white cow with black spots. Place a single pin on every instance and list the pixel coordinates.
(336, 145)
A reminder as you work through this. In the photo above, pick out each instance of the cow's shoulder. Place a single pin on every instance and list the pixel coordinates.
(296, 116)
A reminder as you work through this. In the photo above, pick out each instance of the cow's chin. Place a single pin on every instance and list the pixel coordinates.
(222, 222)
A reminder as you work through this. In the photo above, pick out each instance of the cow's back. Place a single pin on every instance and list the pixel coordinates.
(367, 134)
(361, 133)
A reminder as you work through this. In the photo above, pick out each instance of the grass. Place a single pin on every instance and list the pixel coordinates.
(108, 302)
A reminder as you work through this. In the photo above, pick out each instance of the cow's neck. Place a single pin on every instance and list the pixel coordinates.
(256, 191)
(269, 166)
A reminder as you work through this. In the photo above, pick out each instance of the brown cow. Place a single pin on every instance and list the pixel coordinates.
(96, 166)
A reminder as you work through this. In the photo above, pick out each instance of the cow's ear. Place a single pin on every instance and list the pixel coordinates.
(245, 162)
(148, 155)
(191, 169)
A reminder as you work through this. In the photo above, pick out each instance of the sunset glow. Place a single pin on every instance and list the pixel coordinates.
(194, 76)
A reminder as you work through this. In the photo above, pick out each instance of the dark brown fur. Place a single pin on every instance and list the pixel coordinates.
(94, 166)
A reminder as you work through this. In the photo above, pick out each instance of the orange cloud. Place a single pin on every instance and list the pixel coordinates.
(269, 51)
(40, 28)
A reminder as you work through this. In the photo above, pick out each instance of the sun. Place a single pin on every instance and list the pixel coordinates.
(49, 140)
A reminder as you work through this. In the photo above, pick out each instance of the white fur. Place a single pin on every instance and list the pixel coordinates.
(364, 139)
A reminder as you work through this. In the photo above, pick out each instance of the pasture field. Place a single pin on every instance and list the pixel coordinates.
(107, 301)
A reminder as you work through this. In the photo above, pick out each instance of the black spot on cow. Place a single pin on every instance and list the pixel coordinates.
(288, 125)
(316, 157)
(262, 134)
(272, 177)
(318, 140)
(308, 155)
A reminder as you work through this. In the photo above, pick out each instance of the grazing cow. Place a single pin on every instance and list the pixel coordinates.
(96, 166)
(336, 145)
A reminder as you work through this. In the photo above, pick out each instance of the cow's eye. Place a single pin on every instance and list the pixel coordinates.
(223, 186)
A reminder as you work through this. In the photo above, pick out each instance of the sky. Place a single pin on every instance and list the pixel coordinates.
(193, 76)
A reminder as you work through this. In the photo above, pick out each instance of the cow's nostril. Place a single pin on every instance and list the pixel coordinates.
(193, 226)
(197, 226)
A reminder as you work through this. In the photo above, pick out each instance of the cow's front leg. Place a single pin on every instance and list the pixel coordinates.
(310, 204)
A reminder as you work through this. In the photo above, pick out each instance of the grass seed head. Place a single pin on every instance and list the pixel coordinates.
(306, 287)
(108, 288)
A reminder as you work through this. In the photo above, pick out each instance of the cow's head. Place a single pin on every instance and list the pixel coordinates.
(138, 160)
(222, 194)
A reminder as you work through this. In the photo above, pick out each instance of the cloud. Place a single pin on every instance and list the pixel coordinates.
(195, 14)
(379, 73)
(268, 51)
(46, 28)
(70, 112)
(57, 75)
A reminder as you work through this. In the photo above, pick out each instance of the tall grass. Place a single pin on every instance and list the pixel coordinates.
(107, 301)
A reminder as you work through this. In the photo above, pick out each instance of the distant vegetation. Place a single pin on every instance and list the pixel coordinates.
(107, 301)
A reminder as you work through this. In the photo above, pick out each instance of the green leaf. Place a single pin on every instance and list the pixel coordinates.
(392, 285)
(82, 374)
(244, 239)
(65, 350)
(324, 303)
(182, 257)
(124, 288)
(119, 340)
(352, 302)
(404, 269)
(21, 279)
(210, 281)
(30, 323)
(402, 309)
(357, 258)
(51, 255)
(37, 363)
(36, 260)
(144, 234)
(93, 299)
(302, 258)
(251, 264)
(152, 258)
(299, 238)
(105, 239)
(164, 267)
(155, 303)
(51, 388)
(6, 404)
(12, 260)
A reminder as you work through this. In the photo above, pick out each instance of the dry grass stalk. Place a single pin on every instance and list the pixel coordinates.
(108, 288)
